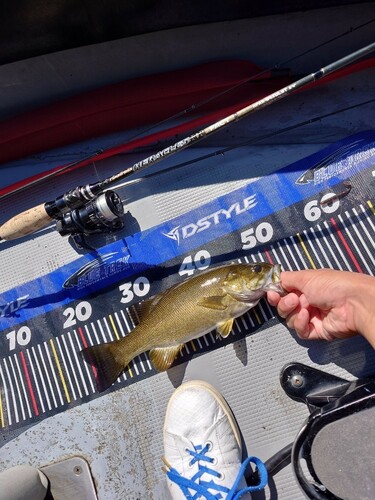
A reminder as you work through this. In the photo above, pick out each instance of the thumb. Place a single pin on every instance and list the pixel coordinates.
(296, 280)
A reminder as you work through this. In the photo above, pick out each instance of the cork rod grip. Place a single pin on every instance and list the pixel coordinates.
(25, 223)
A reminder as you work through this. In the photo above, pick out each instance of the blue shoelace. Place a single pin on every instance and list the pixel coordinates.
(201, 487)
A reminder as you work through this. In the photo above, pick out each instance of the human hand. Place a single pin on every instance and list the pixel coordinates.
(327, 304)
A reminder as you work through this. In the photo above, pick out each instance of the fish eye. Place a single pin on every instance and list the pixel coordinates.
(257, 268)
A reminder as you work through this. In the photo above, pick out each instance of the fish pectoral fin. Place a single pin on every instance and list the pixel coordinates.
(215, 302)
(163, 357)
(225, 328)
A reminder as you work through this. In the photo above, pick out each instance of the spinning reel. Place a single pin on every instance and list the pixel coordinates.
(101, 214)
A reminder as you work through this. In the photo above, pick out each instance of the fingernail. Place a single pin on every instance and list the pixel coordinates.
(290, 301)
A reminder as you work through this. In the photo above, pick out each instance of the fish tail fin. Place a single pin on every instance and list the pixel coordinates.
(105, 362)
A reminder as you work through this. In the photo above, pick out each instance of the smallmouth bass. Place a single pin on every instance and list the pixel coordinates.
(186, 311)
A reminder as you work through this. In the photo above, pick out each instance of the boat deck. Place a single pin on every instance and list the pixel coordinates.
(119, 433)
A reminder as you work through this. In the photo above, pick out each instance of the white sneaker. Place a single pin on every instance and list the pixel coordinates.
(202, 445)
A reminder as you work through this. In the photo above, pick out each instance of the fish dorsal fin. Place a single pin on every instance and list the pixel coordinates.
(225, 328)
(143, 309)
(215, 302)
(163, 357)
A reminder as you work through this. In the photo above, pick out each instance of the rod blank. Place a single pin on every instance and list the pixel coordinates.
(251, 108)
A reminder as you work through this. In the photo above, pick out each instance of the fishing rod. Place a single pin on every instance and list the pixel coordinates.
(193, 107)
(94, 208)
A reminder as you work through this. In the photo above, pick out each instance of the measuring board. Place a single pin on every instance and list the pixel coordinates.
(284, 217)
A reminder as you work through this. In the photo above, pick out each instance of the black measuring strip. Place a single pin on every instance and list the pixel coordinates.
(47, 375)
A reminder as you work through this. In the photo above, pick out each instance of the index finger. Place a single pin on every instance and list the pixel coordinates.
(296, 280)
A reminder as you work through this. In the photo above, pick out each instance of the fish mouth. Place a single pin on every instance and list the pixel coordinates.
(274, 280)
(271, 281)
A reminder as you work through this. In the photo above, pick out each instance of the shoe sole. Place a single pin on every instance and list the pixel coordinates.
(220, 399)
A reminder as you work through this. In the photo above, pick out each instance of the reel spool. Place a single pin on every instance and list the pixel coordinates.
(101, 214)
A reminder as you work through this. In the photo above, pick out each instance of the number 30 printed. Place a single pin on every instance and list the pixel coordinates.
(139, 288)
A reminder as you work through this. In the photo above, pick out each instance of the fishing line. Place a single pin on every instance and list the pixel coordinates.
(199, 104)
(208, 100)
(227, 120)
(221, 152)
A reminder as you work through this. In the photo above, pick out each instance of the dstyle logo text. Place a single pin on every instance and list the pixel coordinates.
(213, 219)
